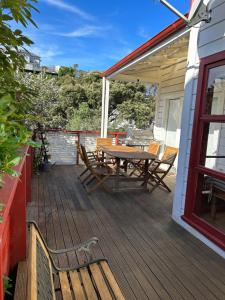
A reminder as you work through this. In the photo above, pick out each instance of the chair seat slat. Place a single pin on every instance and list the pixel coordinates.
(100, 282)
(88, 284)
(65, 286)
(77, 286)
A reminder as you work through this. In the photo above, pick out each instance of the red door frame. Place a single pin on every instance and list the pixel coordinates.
(195, 168)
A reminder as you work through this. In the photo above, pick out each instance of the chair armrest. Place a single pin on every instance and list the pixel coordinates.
(85, 246)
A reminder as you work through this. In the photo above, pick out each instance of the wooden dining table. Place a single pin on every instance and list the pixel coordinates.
(127, 154)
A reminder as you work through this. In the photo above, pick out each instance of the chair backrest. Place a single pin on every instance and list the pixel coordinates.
(85, 156)
(40, 273)
(103, 142)
(154, 148)
(169, 155)
(79, 150)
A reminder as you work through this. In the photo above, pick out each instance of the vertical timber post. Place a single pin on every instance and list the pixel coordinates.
(77, 147)
(103, 106)
(106, 110)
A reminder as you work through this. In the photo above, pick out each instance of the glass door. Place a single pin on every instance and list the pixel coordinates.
(205, 197)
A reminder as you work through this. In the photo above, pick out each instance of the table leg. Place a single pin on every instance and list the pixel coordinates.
(117, 179)
(145, 183)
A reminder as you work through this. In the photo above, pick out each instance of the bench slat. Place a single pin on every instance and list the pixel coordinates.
(88, 284)
(100, 282)
(112, 282)
(76, 285)
(65, 286)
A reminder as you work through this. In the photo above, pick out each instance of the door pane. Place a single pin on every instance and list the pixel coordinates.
(213, 146)
(215, 94)
(210, 204)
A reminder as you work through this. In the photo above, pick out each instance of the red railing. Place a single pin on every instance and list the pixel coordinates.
(15, 194)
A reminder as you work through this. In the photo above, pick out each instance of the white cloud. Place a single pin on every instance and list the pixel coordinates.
(86, 31)
(72, 8)
(46, 52)
(142, 32)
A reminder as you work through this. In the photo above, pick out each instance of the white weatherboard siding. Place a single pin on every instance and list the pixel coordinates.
(205, 40)
(171, 92)
(62, 147)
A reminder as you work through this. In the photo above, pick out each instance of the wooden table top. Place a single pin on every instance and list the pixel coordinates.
(125, 152)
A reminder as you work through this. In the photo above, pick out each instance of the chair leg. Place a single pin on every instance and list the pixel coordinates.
(83, 172)
(100, 182)
(86, 178)
(159, 181)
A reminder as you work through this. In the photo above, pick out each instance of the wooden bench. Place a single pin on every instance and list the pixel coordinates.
(93, 280)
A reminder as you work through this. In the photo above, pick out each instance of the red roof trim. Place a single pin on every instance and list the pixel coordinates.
(165, 33)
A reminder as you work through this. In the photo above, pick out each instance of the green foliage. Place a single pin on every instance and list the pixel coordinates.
(13, 96)
(141, 110)
(71, 71)
(85, 118)
(75, 102)
(7, 285)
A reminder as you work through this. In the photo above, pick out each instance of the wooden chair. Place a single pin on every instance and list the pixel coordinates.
(160, 168)
(139, 165)
(92, 280)
(92, 157)
(103, 142)
(98, 171)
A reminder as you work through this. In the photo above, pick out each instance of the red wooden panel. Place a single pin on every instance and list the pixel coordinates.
(14, 194)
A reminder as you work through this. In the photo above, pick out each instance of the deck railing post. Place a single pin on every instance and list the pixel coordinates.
(77, 146)
(117, 138)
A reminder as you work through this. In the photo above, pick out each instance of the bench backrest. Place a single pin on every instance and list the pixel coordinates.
(40, 276)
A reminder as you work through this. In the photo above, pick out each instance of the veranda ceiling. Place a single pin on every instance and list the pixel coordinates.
(147, 68)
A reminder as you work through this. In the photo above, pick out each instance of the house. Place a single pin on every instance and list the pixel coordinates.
(33, 61)
(188, 65)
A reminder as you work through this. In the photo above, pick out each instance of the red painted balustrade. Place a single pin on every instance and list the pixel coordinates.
(14, 194)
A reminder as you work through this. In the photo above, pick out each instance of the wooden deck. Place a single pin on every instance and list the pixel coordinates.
(150, 255)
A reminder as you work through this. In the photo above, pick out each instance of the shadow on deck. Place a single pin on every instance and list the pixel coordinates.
(150, 255)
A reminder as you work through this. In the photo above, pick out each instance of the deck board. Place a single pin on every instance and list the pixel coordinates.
(150, 255)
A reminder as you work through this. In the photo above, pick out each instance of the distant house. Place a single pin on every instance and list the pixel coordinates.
(33, 61)
(188, 65)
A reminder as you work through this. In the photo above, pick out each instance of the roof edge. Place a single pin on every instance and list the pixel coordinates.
(162, 35)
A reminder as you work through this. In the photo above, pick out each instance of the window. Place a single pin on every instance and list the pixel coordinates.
(205, 197)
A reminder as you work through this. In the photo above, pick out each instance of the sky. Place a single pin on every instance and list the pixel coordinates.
(95, 34)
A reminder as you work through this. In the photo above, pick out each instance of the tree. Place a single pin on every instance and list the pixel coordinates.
(13, 99)
(71, 71)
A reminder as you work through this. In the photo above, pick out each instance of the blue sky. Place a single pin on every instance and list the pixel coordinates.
(95, 34)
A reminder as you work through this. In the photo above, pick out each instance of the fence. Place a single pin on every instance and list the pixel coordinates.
(15, 194)
(62, 143)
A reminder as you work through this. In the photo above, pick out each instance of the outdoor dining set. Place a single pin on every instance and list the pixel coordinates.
(122, 165)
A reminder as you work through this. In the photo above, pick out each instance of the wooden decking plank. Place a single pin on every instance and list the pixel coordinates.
(126, 279)
(155, 270)
(213, 290)
(58, 221)
(136, 235)
(129, 208)
(100, 282)
(21, 281)
(76, 286)
(189, 277)
(65, 286)
(120, 242)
